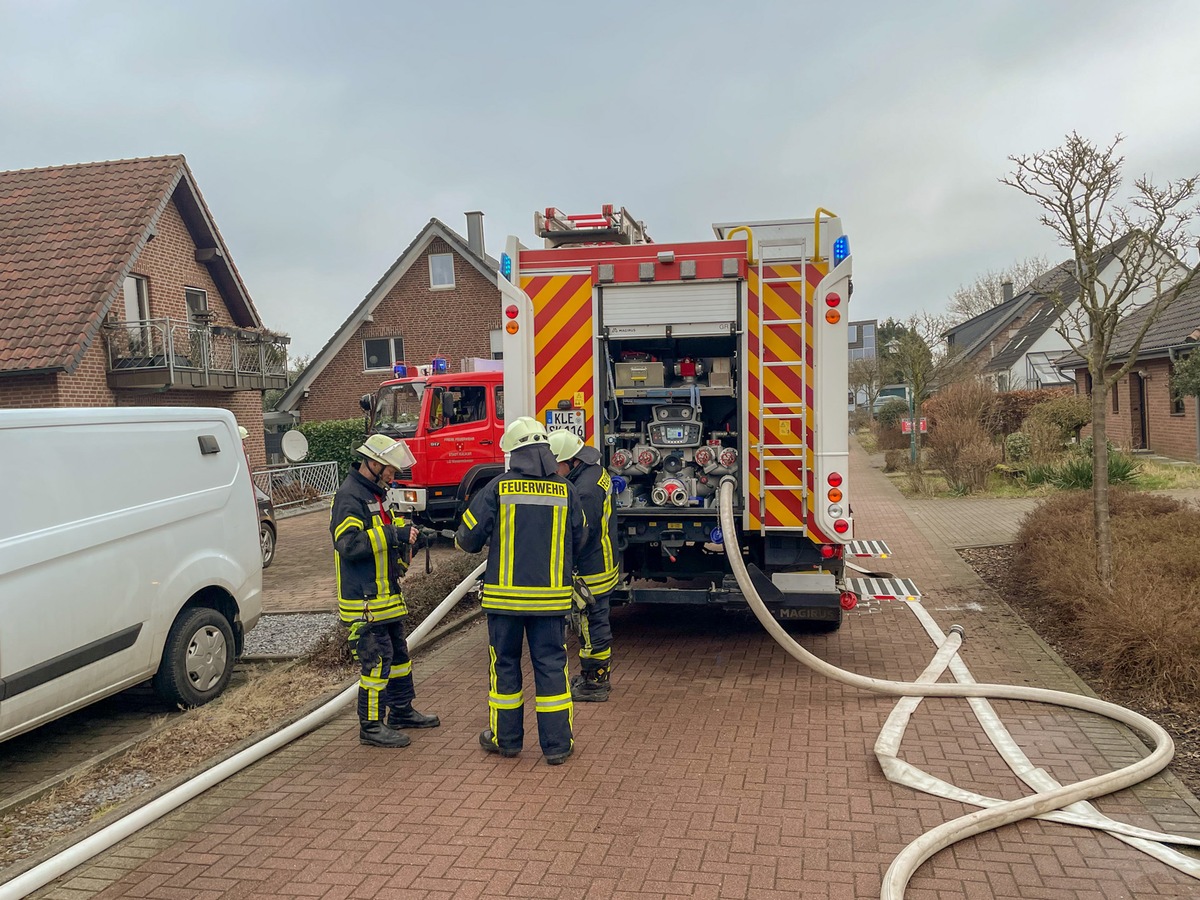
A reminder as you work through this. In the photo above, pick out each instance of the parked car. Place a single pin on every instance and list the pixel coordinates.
(268, 531)
(145, 566)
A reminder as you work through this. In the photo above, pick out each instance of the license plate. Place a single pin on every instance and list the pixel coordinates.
(566, 420)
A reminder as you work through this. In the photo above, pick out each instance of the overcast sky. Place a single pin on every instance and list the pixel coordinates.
(325, 135)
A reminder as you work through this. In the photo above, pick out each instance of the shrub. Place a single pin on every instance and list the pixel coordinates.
(891, 413)
(1012, 407)
(1046, 442)
(1147, 629)
(894, 460)
(1017, 447)
(334, 441)
(1068, 414)
(964, 452)
(1087, 444)
(970, 399)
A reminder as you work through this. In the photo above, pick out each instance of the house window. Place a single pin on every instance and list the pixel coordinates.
(441, 271)
(852, 333)
(381, 353)
(197, 303)
(137, 299)
(1176, 396)
(1116, 397)
(1002, 381)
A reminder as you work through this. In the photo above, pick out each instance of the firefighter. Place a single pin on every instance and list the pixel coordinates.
(596, 564)
(533, 523)
(370, 564)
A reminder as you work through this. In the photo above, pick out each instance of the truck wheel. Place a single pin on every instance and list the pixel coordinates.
(197, 659)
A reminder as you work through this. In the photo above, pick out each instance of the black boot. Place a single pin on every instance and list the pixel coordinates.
(557, 759)
(592, 686)
(376, 734)
(407, 717)
(488, 742)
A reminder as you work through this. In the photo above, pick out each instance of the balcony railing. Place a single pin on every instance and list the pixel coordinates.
(168, 353)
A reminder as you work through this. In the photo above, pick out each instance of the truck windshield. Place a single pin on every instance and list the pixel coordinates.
(398, 407)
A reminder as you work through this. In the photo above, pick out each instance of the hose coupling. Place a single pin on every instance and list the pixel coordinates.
(958, 629)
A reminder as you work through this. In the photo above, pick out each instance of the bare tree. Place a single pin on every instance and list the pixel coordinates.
(1122, 254)
(987, 291)
(866, 377)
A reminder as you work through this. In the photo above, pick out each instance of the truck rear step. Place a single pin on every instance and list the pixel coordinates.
(884, 588)
(869, 549)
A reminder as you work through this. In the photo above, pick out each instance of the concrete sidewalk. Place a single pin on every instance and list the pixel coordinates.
(720, 768)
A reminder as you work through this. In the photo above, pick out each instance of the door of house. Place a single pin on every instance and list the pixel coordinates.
(1138, 431)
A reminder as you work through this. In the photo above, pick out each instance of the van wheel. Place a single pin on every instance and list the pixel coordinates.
(266, 538)
(197, 659)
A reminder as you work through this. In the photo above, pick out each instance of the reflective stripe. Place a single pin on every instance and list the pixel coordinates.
(401, 671)
(505, 604)
(373, 685)
(604, 582)
(585, 639)
(469, 520)
(557, 545)
(587, 654)
(505, 701)
(520, 590)
(526, 500)
(605, 520)
(532, 488)
(508, 515)
(346, 524)
(555, 703)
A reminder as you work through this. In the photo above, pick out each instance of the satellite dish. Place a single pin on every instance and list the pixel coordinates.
(294, 446)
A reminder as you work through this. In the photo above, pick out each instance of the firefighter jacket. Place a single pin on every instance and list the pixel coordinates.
(534, 526)
(597, 562)
(369, 564)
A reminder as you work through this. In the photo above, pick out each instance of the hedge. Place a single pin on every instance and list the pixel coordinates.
(334, 441)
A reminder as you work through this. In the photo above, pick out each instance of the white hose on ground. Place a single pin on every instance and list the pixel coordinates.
(60, 864)
(902, 868)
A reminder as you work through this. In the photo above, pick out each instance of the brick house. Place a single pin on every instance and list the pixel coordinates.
(116, 289)
(439, 298)
(1144, 413)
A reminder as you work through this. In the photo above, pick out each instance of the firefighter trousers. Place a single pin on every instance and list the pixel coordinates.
(552, 696)
(595, 639)
(386, 672)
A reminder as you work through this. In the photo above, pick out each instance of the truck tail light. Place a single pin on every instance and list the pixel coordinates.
(832, 316)
(841, 526)
(511, 311)
(834, 479)
(834, 495)
(512, 327)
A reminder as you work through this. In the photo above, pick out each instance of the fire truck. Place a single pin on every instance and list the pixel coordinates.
(452, 424)
(684, 363)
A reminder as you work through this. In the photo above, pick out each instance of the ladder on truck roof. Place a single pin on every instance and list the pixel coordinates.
(609, 226)
(793, 451)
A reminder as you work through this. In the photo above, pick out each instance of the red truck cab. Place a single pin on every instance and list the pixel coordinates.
(452, 424)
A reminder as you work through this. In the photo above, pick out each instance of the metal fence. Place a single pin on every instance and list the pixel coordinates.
(296, 485)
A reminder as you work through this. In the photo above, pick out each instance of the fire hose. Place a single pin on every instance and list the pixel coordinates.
(63, 862)
(1047, 800)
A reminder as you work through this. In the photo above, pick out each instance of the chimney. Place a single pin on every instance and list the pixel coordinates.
(1005, 286)
(475, 232)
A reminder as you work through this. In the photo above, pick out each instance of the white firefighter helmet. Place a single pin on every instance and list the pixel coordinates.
(243, 432)
(565, 445)
(524, 432)
(389, 452)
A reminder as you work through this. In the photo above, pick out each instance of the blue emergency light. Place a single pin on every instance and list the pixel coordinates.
(841, 249)
(506, 266)
(400, 370)
(439, 366)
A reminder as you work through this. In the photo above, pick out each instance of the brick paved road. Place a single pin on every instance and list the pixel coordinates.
(720, 769)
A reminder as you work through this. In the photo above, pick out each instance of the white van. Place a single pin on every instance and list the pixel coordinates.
(129, 549)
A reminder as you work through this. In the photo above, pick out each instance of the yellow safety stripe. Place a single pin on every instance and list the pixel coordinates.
(505, 701)
(374, 686)
(401, 671)
(519, 591)
(380, 588)
(585, 639)
(587, 654)
(379, 609)
(469, 520)
(509, 545)
(505, 604)
(346, 524)
(493, 722)
(555, 703)
(603, 582)
(606, 534)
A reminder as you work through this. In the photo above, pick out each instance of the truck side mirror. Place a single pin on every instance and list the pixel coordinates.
(365, 402)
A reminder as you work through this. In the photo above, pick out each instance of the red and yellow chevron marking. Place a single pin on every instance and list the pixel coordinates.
(786, 432)
(562, 336)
